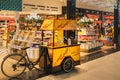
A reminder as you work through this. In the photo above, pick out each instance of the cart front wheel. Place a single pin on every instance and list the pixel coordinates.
(67, 65)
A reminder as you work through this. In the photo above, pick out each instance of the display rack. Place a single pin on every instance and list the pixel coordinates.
(3, 33)
(108, 29)
(88, 39)
(7, 30)
(42, 37)
(28, 38)
(21, 39)
(38, 37)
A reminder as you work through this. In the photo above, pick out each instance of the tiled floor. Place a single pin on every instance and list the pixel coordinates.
(103, 68)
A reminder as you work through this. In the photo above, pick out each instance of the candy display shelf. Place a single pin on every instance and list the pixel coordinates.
(23, 38)
(89, 40)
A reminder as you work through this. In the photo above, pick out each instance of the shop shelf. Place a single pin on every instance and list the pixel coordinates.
(22, 40)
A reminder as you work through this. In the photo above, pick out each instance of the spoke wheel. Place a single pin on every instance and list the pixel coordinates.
(13, 65)
(67, 65)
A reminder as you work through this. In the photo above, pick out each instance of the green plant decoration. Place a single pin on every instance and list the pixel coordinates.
(84, 21)
(28, 23)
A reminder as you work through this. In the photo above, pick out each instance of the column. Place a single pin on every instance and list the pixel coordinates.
(116, 27)
(71, 9)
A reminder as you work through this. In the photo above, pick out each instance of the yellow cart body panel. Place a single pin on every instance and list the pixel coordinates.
(59, 54)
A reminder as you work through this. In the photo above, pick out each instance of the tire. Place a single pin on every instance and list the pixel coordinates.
(11, 65)
(67, 65)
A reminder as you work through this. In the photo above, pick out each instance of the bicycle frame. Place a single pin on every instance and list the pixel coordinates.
(42, 52)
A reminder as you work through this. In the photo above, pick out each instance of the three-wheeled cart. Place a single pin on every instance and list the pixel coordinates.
(60, 42)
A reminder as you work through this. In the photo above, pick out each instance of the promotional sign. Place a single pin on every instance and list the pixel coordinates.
(42, 6)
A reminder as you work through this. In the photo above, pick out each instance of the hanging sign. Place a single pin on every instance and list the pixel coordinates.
(42, 6)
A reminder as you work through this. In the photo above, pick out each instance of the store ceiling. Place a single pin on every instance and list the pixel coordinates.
(108, 4)
(102, 5)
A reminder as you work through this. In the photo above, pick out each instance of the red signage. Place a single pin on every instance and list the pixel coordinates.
(93, 16)
(8, 18)
(108, 17)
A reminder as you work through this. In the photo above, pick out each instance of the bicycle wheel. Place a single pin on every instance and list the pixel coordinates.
(13, 65)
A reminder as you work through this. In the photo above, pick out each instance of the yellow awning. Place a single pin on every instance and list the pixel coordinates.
(56, 24)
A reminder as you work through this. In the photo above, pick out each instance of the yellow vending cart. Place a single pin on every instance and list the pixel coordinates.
(62, 48)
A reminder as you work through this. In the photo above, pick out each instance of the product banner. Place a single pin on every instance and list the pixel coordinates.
(14, 5)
